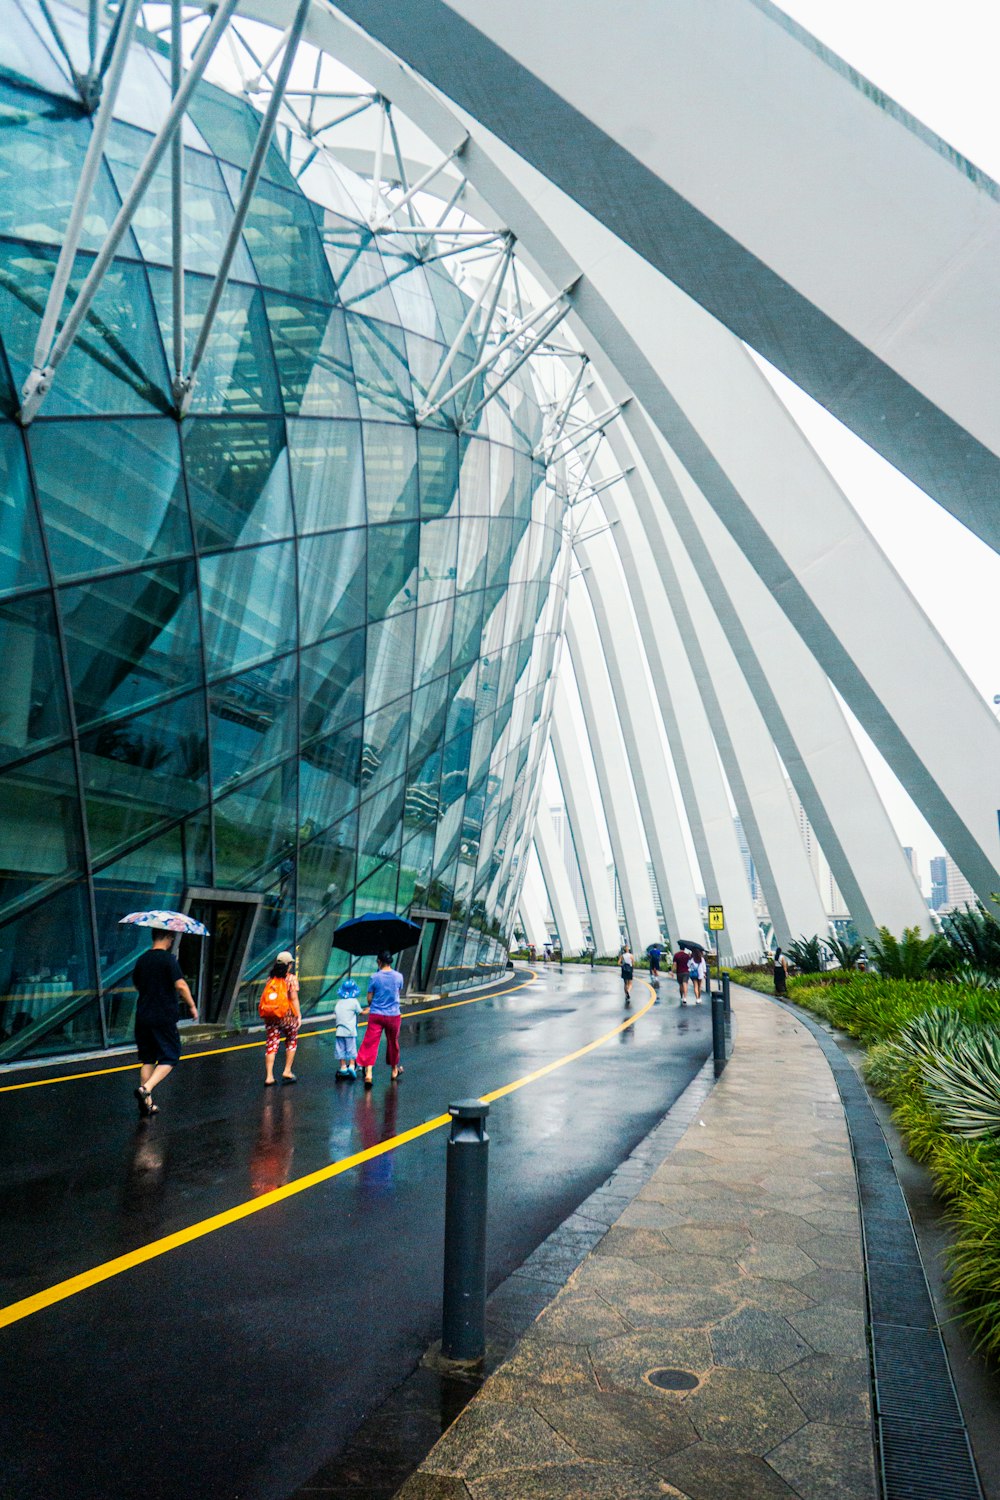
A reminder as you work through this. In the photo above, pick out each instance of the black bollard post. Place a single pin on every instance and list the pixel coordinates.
(727, 1008)
(463, 1324)
(718, 1034)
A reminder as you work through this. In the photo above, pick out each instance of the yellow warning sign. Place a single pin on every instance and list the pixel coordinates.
(716, 919)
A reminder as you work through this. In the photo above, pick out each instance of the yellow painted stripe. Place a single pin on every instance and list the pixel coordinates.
(40, 1083)
(16, 1311)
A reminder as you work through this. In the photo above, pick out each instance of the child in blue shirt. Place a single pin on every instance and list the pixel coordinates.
(346, 1012)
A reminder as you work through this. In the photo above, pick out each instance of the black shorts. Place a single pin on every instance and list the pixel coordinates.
(626, 972)
(158, 1042)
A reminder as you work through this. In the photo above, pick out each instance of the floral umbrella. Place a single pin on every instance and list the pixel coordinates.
(167, 921)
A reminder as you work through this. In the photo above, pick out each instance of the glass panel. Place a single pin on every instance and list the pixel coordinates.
(321, 967)
(131, 639)
(26, 56)
(40, 839)
(381, 368)
(392, 575)
(438, 560)
(116, 363)
(208, 211)
(21, 562)
(231, 126)
(384, 755)
(33, 702)
(378, 892)
(332, 679)
(357, 267)
(143, 772)
(238, 481)
(47, 969)
(414, 872)
(141, 513)
(467, 632)
(255, 828)
(438, 453)
(237, 372)
(151, 876)
(253, 721)
(434, 630)
(248, 606)
(425, 359)
(326, 868)
(390, 471)
(427, 720)
(313, 357)
(327, 474)
(280, 232)
(408, 279)
(473, 543)
(43, 142)
(452, 304)
(331, 583)
(330, 778)
(474, 459)
(390, 660)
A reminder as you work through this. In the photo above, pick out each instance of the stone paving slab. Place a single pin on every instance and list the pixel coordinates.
(738, 1263)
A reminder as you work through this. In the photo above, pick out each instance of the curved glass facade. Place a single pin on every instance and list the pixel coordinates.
(293, 649)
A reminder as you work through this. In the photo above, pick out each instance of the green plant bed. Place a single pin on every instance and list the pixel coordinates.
(933, 1053)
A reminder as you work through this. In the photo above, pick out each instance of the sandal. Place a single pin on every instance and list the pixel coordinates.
(289, 1078)
(368, 1078)
(146, 1105)
(397, 1071)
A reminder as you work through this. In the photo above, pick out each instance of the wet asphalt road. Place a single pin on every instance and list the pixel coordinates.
(234, 1366)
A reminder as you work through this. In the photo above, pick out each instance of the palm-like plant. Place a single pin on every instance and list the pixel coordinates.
(964, 1085)
(908, 957)
(844, 951)
(974, 934)
(807, 955)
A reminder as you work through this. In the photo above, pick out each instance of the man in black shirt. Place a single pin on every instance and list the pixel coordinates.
(158, 978)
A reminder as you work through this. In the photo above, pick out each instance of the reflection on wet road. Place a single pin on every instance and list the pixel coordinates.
(331, 1295)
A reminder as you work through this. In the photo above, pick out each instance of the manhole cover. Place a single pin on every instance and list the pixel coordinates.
(672, 1380)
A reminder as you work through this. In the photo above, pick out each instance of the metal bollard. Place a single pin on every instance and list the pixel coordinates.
(718, 1033)
(725, 998)
(463, 1324)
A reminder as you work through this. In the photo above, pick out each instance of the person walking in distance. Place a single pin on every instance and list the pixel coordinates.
(780, 973)
(654, 953)
(697, 970)
(681, 966)
(383, 1015)
(282, 1016)
(628, 970)
(158, 979)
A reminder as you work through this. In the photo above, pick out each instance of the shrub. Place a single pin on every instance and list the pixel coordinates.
(844, 951)
(975, 1263)
(911, 956)
(974, 936)
(874, 1009)
(807, 955)
(963, 1083)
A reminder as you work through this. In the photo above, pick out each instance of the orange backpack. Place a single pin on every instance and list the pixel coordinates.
(274, 1002)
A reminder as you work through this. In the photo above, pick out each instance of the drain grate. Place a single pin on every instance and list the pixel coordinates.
(890, 1239)
(922, 1465)
(898, 1294)
(912, 1378)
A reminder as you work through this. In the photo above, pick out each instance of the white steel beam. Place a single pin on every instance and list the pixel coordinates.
(550, 857)
(582, 818)
(601, 717)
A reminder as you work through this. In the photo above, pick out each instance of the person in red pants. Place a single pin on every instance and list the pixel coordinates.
(383, 1002)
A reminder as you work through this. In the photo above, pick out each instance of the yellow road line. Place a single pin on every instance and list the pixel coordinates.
(38, 1083)
(16, 1311)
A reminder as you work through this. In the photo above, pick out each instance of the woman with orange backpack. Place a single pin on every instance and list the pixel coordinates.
(279, 1009)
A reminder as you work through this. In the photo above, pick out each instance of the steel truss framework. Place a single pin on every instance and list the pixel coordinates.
(698, 597)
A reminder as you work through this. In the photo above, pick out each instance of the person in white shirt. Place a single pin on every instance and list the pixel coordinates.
(346, 1012)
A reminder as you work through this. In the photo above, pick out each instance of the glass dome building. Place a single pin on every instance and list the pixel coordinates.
(281, 661)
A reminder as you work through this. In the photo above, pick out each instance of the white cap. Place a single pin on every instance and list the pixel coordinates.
(285, 957)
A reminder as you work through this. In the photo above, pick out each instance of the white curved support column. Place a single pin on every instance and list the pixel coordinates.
(557, 884)
(532, 906)
(688, 731)
(600, 713)
(694, 145)
(582, 818)
(622, 649)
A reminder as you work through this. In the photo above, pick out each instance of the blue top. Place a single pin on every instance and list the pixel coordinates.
(383, 992)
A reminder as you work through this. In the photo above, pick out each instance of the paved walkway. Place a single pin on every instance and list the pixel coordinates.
(738, 1269)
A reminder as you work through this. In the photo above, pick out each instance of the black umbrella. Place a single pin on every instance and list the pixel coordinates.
(695, 947)
(376, 932)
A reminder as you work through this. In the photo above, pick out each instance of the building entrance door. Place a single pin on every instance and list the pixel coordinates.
(213, 966)
(419, 965)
